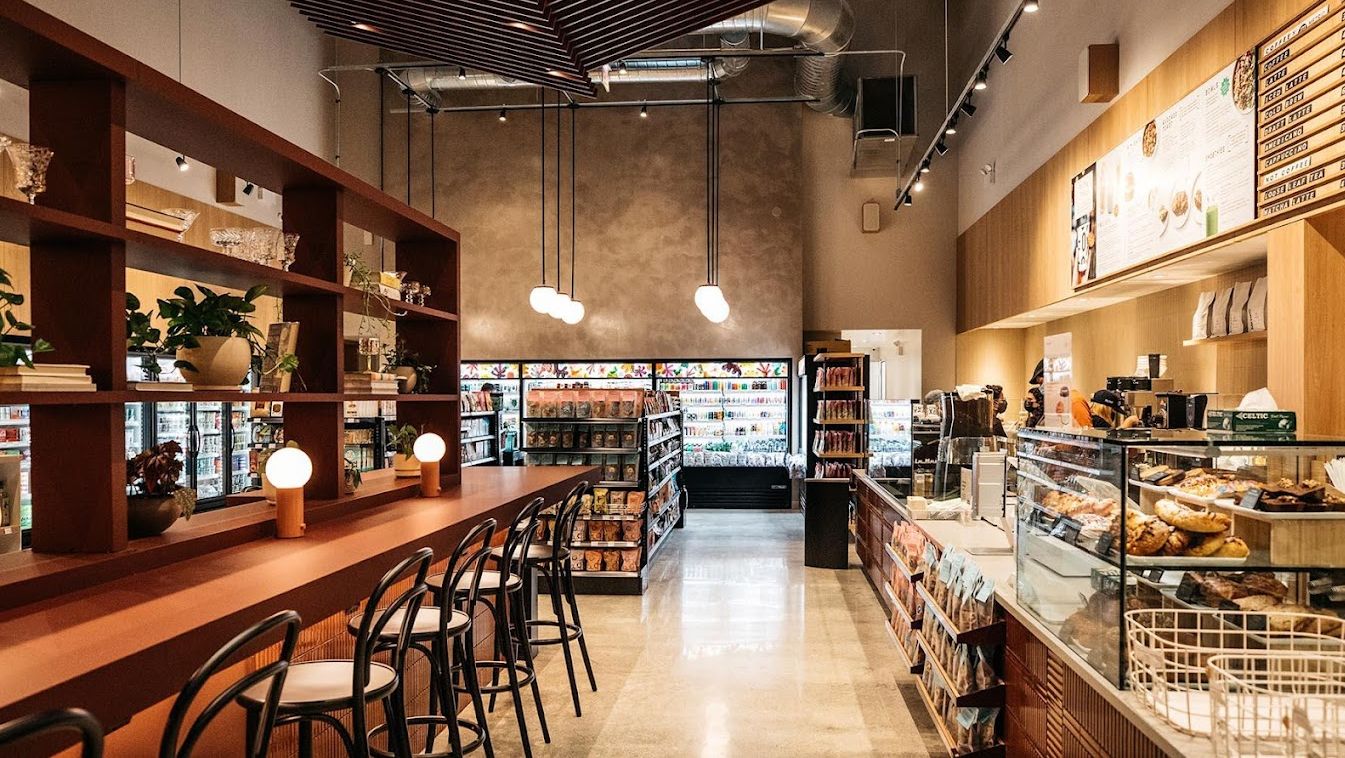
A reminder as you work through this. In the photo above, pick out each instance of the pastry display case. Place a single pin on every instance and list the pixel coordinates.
(1112, 521)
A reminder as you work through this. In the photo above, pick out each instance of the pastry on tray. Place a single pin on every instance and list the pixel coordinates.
(1206, 545)
(1191, 519)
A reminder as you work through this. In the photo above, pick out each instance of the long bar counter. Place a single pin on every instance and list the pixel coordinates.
(123, 645)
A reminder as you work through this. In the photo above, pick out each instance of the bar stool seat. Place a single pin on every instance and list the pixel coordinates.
(536, 553)
(323, 684)
(424, 626)
(490, 580)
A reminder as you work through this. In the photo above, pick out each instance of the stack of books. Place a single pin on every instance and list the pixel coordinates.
(46, 377)
(370, 383)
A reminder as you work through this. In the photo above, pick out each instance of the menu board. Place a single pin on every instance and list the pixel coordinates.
(1188, 174)
(1300, 147)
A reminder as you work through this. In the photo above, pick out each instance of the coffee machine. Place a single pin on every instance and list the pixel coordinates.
(1182, 410)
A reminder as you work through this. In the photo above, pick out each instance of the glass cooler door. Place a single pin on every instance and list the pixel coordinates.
(736, 412)
(172, 421)
(209, 460)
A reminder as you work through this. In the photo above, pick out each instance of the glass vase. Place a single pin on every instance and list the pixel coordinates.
(30, 168)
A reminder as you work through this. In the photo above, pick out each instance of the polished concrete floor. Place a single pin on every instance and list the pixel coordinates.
(736, 649)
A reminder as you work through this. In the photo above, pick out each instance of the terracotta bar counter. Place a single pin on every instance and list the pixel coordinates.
(129, 628)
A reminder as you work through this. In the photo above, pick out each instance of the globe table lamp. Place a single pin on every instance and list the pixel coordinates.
(429, 450)
(289, 469)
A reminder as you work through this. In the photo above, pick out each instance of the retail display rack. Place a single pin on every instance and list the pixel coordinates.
(635, 438)
(838, 415)
(482, 434)
(84, 97)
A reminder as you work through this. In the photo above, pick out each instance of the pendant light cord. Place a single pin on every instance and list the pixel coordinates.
(179, 41)
(434, 188)
(709, 177)
(559, 199)
(408, 145)
(574, 125)
(542, 144)
(715, 267)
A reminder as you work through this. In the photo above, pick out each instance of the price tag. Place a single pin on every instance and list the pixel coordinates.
(1104, 543)
(1252, 499)
(1189, 590)
(1154, 575)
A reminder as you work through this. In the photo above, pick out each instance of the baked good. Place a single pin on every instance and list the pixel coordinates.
(1217, 588)
(1177, 542)
(1148, 538)
(1256, 602)
(1233, 547)
(1190, 519)
(1093, 526)
(1265, 582)
(1206, 545)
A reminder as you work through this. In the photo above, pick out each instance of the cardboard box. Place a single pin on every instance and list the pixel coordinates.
(826, 346)
(1277, 422)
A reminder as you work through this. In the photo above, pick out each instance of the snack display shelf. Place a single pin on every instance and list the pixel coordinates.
(991, 696)
(477, 438)
(477, 414)
(990, 634)
(663, 439)
(665, 459)
(479, 461)
(613, 450)
(609, 574)
(888, 597)
(994, 751)
(556, 420)
(601, 543)
(914, 668)
(662, 482)
(611, 516)
(911, 575)
(911, 621)
(619, 485)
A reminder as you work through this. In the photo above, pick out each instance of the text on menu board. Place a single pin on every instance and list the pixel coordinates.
(1187, 175)
(1300, 142)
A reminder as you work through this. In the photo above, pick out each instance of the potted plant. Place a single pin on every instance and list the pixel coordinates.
(157, 500)
(213, 337)
(411, 371)
(403, 439)
(16, 354)
(143, 337)
(353, 477)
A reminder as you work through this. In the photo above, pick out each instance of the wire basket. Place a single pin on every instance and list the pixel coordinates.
(1278, 704)
(1168, 652)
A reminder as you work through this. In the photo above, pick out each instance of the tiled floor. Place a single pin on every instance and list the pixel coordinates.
(735, 650)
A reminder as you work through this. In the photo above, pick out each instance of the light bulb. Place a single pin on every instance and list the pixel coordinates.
(574, 313)
(540, 298)
(717, 312)
(559, 304)
(707, 295)
(919, 185)
(288, 468)
(429, 447)
(182, 164)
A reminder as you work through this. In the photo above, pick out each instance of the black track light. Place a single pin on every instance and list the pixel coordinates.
(982, 80)
(952, 126)
(181, 162)
(941, 147)
(924, 167)
(967, 108)
(504, 115)
(248, 187)
(1002, 51)
(1031, 6)
(906, 200)
(462, 73)
(644, 110)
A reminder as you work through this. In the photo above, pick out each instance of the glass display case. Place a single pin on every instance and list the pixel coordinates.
(1113, 521)
(505, 378)
(890, 438)
(736, 412)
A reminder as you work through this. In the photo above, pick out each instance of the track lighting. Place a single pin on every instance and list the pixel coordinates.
(906, 199)
(644, 110)
(248, 187)
(1031, 6)
(1002, 51)
(952, 127)
(919, 185)
(941, 147)
(924, 167)
(981, 80)
(504, 116)
(967, 108)
(462, 73)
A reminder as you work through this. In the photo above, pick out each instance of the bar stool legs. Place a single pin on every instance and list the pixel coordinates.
(574, 613)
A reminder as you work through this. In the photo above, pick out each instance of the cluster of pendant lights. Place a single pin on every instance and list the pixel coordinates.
(544, 298)
(709, 297)
(1003, 54)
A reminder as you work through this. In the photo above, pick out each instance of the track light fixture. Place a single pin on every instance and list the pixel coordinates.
(644, 110)
(1031, 6)
(952, 127)
(462, 73)
(982, 80)
(248, 187)
(182, 164)
(967, 108)
(919, 185)
(924, 167)
(906, 200)
(1002, 51)
(504, 115)
(941, 147)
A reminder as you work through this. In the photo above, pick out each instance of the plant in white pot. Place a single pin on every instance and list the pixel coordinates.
(157, 501)
(213, 337)
(403, 439)
(411, 371)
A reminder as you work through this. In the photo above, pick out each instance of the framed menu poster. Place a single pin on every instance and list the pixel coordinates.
(1188, 174)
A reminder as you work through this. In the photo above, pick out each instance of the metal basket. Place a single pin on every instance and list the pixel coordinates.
(1278, 704)
(1168, 652)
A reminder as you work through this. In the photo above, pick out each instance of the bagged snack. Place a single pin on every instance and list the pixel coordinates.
(630, 530)
(586, 504)
(577, 562)
(599, 499)
(567, 437)
(985, 671)
(565, 404)
(583, 404)
(598, 400)
(629, 403)
(611, 469)
(552, 436)
(582, 437)
(616, 500)
(593, 560)
(612, 438)
(630, 471)
(628, 438)
(634, 501)
(630, 559)
(580, 531)
(611, 531)
(550, 406)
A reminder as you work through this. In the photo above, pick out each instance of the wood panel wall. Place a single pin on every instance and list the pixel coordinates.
(1014, 259)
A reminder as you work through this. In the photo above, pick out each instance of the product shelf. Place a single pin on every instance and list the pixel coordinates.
(581, 420)
(613, 450)
(988, 697)
(994, 751)
(991, 634)
(911, 575)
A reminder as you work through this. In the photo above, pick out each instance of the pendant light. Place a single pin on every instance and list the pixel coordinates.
(709, 297)
(541, 296)
(574, 312)
(561, 303)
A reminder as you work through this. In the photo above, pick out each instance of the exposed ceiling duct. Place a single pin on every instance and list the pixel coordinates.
(820, 26)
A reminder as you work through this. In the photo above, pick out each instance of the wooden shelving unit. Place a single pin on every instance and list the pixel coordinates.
(1244, 337)
(84, 96)
(854, 390)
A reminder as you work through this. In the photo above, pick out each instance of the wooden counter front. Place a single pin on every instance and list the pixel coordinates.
(126, 644)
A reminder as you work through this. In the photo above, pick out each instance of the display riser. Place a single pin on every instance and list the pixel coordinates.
(765, 488)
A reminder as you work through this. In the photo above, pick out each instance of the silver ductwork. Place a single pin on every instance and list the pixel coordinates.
(821, 26)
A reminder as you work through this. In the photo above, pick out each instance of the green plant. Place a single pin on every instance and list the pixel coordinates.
(214, 315)
(399, 356)
(143, 337)
(403, 438)
(354, 477)
(367, 281)
(154, 473)
(14, 354)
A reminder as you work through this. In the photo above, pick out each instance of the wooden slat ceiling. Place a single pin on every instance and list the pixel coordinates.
(554, 43)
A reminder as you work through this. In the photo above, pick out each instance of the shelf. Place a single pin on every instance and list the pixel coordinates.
(627, 574)
(581, 421)
(403, 397)
(601, 543)
(912, 622)
(665, 414)
(889, 598)
(1244, 337)
(989, 697)
(665, 459)
(614, 450)
(840, 422)
(833, 357)
(662, 440)
(911, 576)
(477, 438)
(353, 302)
(1064, 464)
(148, 252)
(841, 456)
(21, 224)
(619, 485)
(991, 634)
(841, 388)
(611, 516)
(477, 414)
(915, 668)
(665, 480)
(994, 751)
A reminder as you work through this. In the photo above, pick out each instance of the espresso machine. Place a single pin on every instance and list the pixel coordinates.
(1181, 410)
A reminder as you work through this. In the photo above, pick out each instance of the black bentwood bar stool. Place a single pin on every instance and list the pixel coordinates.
(51, 722)
(316, 690)
(502, 593)
(272, 676)
(553, 562)
(443, 634)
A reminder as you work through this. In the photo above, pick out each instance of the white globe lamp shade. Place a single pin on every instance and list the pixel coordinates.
(708, 294)
(574, 313)
(540, 297)
(289, 468)
(429, 448)
(559, 304)
(717, 312)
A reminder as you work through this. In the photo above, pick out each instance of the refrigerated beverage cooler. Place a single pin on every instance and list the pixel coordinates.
(215, 438)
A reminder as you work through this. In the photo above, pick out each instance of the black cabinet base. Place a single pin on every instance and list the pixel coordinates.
(756, 487)
(826, 524)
